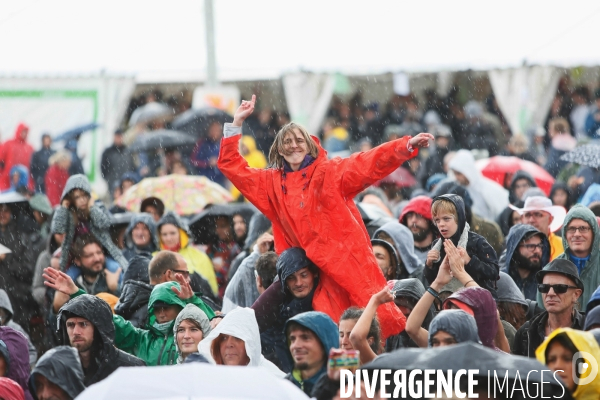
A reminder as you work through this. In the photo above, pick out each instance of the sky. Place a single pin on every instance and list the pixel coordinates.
(271, 37)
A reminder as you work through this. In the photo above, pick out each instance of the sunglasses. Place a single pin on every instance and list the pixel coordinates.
(558, 289)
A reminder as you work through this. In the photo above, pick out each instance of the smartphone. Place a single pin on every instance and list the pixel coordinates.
(344, 359)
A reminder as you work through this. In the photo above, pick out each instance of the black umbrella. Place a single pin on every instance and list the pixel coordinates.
(588, 154)
(76, 132)
(161, 138)
(150, 112)
(202, 225)
(196, 122)
(519, 371)
(21, 210)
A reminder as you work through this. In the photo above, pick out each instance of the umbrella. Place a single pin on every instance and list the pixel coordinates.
(149, 112)
(161, 138)
(203, 224)
(473, 356)
(4, 250)
(12, 197)
(76, 132)
(121, 219)
(193, 381)
(400, 177)
(588, 154)
(184, 194)
(496, 169)
(20, 208)
(196, 122)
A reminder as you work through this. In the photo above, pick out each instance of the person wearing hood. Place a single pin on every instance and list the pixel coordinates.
(14, 152)
(561, 289)
(298, 281)
(573, 354)
(19, 179)
(258, 225)
(561, 195)
(135, 294)
(242, 290)
(527, 251)
(77, 216)
(85, 323)
(480, 260)
(402, 239)
(222, 250)
(489, 198)
(509, 218)
(10, 389)
(512, 307)
(416, 215)
(407, 293)
(40, 161)
(452, 327)
(519, 183)
(191, 326)
(155, 343)
(594, 301)
(592, 319)
(174, 235)
(309, 200)
(57, 176)
(310, 335)
(57, 375)
(6, 319)
(205, 154)
(14, 360)
(236, 341)
(387, 258)
(140, 236)
(42, 215)
(254, 157)
(116, 160)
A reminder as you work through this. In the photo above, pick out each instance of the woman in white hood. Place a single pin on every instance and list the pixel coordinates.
(236, 341)
(489, 198)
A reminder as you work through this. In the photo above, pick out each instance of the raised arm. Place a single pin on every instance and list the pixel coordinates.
(361, 170)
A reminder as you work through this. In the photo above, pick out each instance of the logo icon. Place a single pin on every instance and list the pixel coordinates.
(587, 368)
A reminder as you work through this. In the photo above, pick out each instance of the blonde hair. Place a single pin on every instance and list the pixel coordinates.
(442, 206)
(559, 125)
(276, 159)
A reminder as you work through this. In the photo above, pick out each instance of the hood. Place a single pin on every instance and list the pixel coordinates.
(484, 307)
(508, 291)
(171, 218)
(515, 236)
(419, 205)
(163, 292)
(40, 202)
(78, 181)
(18, 354)
(591, 195)
(241, 323)
(592, 318)
(194, 313)
(404, 243)
(147, 220)
(95, 310)
(20, 128)
(134, 295)
(584, 213)
(460, 209)
(585, 343)
(464, 162)
(258, 225)
(137, 270)
(249, 142)
(457, 323)
(290, 261)
(566, 188)
(594, 300)
(392, 251)
(23, 176)
(5, 303)
(10, 389)
(129, 176)
(61, 366)
(517, 176)
(322, 326)
(414, 289)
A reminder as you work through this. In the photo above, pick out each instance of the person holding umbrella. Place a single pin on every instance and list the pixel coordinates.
(309, 199)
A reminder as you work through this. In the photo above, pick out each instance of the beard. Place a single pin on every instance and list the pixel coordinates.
(301, 366)
(421, 234)
(526, 263)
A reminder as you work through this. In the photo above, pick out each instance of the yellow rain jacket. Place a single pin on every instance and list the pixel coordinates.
(255, 159)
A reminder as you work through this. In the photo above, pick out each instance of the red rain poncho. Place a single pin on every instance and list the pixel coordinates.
(314, 209)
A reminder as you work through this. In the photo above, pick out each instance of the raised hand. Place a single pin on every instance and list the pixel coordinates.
(59, 281)
(383, 296)
(421, 140)
(264, 242)
(244, 111)
(186, 290)
(444, 274)
(457, 264)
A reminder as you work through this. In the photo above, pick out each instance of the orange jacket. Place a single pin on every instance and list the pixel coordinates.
(316, 212)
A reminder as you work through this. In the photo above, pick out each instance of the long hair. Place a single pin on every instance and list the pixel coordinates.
(513, 313)
(276, 159)
(354, 313)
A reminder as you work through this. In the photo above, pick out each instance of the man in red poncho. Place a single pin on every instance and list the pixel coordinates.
(12, 152)
(309, 200)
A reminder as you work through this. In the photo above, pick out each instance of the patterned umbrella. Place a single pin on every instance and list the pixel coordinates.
(184, 194)
(588, 154)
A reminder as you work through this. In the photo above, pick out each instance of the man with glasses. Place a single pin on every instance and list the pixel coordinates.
(527, 251)
(85, 323)
(540, 213)
(561, 288)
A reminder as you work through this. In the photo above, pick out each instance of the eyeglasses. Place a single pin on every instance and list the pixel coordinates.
(182, 272)
(532, 247)
(582, 229)
(82, 324)
(558, 289)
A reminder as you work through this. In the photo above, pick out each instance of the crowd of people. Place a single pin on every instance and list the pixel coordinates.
(335, 258)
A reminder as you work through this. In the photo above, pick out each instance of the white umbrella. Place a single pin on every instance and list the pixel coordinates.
(194, 381)
(4, 250)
